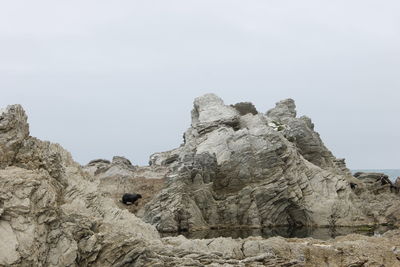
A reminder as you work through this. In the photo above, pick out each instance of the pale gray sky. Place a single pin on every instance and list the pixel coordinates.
(106, 78)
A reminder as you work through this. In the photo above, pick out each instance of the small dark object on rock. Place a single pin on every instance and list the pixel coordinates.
(129, 199)
(353, 185)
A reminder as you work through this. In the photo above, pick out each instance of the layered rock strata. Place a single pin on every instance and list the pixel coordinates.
(119, 176)
(238, 166)
(53, 213)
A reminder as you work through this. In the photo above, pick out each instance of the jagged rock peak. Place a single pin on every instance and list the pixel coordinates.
(210, 111)
(122, 161)
(97, 161)
(14, 128)
(52, 213)
(250, 169)
(119, 166)
(283, 109)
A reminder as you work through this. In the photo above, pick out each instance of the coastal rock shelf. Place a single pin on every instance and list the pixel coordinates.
(236, 166)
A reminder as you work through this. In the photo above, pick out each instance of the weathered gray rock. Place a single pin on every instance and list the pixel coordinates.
(119, 166)
(209, 112)
(397, 182)
(51, 211)
(300, 131)
(14, 129)
(54, 213)
(373, 177)
(245, 108)
(283, 110)
(254, 170)
(376, 182)
(119, 177)
(378, 197)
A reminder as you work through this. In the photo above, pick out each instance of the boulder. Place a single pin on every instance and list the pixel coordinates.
(209, 112)
(375, 180)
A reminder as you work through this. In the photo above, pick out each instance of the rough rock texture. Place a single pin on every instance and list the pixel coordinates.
(374, 178)
(397, 182)
(14, 129)
(378, 197)
(240, 168)
(119, 177)
(53, 213)
(300, 131)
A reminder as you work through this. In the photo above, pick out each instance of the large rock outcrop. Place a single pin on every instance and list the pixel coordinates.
(51, 211)
(252, 169)
(54, 213)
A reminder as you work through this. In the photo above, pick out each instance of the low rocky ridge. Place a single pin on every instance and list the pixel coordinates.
(54, 213)
(238, 166)
(119, 176)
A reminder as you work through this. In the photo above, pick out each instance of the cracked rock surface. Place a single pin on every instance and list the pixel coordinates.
(241, 167)
(55, 213)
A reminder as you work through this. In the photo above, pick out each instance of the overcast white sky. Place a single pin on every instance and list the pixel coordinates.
(106, 78)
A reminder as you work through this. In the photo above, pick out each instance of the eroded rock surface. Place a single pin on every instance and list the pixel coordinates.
(54, 213)
(238, 167)
(119, 176)
(14, 129)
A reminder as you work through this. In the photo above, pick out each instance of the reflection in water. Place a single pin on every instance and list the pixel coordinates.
(287, 232)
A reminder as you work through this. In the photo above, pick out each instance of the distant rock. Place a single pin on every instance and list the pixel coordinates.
(373, 177)
(245, 108)
(105, 168)
(397, 182)
(209, 113)
(283, 110)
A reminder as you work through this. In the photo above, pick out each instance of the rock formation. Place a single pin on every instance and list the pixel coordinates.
(54, 213)
(119, 176)
(51, 211)
(375, 180)
(378, 197)
(241, 167)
